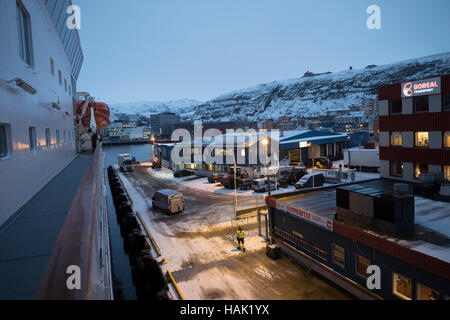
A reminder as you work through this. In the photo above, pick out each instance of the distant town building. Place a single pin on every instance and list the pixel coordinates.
(163, 123)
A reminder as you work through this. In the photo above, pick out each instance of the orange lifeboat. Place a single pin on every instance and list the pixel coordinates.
(101, 114)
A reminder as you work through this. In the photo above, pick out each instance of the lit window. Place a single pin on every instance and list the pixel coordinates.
(24, 28)
(426, 293)
(396, 168)
(402, 286)
(361, 265)
(421, 104)
(422, 139)
(339, 255)
(4, 145)
(419, 169)
(396, 139)
(52, 66)
(48, 139)
(447, 172)
(396, 106)
(447, 139)
(33, 139)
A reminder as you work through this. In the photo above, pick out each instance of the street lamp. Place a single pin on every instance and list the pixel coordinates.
(265, 142)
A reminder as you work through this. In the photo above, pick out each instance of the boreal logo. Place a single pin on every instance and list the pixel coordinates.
(408, 89)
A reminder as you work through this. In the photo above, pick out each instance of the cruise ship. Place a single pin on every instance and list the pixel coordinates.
(43, 178)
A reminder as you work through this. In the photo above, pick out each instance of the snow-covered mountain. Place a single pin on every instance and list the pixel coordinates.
(301, 97)
(135, 110)
(314, 96)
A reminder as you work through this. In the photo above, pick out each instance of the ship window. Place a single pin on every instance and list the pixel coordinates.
(60, 76)
(421, 104)
(65, 138)
(339, 255)
(70, 91)
(396, 139)
(426, 293)
(361, 265)
(52, 66)
(24, 28)
(4, 141)
(447, 139)
(446, 102)
(396, 106)
(65, 85)
(422, 139)
(33, 139)
(48, 138)
(402, 286)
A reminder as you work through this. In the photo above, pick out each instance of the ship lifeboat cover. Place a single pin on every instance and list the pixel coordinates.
(101, 114)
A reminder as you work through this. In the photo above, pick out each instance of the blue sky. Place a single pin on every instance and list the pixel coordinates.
(159, 50)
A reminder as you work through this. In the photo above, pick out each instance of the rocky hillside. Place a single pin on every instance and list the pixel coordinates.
(314, 96)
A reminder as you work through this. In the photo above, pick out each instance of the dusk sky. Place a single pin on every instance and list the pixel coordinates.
(148, 50)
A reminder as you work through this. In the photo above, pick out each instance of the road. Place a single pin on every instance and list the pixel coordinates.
(201, 251)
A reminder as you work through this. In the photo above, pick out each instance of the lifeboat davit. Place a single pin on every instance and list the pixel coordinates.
(101, 114)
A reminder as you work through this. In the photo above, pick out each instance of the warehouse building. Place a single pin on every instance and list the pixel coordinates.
(340, 232)
(414, 129)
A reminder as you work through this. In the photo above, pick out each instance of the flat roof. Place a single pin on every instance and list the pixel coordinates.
(432, 218)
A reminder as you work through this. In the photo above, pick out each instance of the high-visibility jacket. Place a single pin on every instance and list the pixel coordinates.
(240, 234)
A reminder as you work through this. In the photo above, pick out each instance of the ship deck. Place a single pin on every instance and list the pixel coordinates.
(27, 241)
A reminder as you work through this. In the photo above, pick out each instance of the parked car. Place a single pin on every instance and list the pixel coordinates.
(296, 174)
(182, 173)
(244, 183)
(214, 178)
(169, 201)
(311, 180)
(260, 185)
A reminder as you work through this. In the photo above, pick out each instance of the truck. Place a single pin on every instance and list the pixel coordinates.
(125, 162)
(367, 160)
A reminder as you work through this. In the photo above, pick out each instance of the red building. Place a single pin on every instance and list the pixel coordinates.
(415, 128)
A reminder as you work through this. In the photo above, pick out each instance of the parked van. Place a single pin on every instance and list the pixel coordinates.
(260, 185)
(311, 180)
(169, 201)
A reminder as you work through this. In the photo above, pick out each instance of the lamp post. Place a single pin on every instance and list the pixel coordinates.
(265, 142)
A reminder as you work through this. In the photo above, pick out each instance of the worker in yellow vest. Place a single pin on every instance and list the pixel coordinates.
(240, 235)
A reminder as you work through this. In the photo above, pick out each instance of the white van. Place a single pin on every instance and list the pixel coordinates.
(260, 185)
(125, 162)
(169, 201)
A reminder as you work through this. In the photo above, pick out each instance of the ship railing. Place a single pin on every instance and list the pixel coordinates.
(80, 264)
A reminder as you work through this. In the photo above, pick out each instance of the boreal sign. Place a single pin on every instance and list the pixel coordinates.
(421, 87)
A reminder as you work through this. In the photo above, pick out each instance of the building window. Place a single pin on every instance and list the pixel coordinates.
(361, 265)
(447, 173)
(33, 139)
(339, 255)
(396, 106)
(396, 169)
(426, 293)
(52, 66)
(419, 169)
(446, 102)
(48, 138)
(58, 139)
(4, 141)
(421, 104)
(60, 76)
(396, 139)
(323, 150)
(402, 286)
(446, 139)
(24, 28)
(422, 139)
